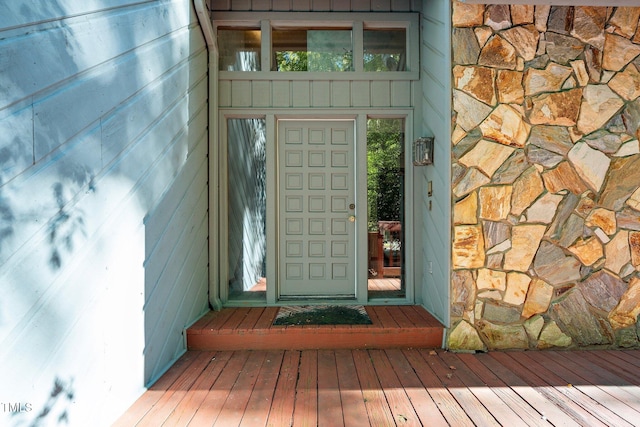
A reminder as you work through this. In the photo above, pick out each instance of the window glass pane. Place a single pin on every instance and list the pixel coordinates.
(385, 207)
(239, 49)
(312, 50)
(247, 164)
(385, 50)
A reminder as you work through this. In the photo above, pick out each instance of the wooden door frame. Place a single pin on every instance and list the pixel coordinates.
(360, 117)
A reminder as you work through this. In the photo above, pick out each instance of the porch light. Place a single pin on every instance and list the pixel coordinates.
(423, 151)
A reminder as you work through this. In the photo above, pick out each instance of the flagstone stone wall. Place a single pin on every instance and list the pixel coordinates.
(545, 177)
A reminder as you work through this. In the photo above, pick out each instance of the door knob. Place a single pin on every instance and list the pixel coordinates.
(352, 218)
(352, 206)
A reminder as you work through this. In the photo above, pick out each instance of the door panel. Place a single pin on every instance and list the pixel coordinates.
(316, 237)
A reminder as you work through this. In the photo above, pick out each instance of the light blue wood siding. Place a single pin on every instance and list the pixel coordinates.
(103, 200)
(435, 234)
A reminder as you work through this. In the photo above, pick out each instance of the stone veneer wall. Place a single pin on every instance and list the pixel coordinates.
(546, 176)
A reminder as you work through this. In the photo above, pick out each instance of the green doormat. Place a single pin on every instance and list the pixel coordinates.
(322, 315)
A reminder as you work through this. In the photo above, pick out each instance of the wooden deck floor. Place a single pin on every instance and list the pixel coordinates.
(394, 387)
(253, 329)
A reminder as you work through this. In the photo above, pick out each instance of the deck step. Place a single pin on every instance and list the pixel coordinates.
(403, 326)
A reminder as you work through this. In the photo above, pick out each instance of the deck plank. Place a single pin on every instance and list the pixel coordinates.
(281, 413)
(422, 402)
(353, 406)
(570, 384)
(450, 408)
(306, 402)
(559, 399)
(257, 411)
(374, 398)
(236, 403)
(214, 400)
(397, 399)
(329, 403)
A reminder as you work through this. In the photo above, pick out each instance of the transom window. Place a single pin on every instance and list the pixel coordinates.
(350, 43)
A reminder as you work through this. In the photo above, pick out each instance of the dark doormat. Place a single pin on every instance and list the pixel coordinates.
(322, 315)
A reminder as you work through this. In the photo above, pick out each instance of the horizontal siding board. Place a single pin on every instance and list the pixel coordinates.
(16, 143)
(63, 50)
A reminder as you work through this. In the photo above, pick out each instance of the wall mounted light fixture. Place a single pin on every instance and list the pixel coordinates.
(423, 151)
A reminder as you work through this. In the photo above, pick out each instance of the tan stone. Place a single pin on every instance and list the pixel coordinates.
(464, 337)
(630, 148)
(626, 313)
(627, 83)
(603, 218)
(552, 336)
(524, 39)
(491, 279)
(483, 34)
(469, 182)
(525, 240)
(468, 247)
(457, 135)
(580, 70)
(622, 181)
(517, 286)
(591, 165)
(498, 53)
(541, 16)
(478, 82)
(509, 87)
(506, 126)
(526, 189)
(538, 298)
(522, 14)
(503, 337)
(544, 209)
(599, 105)
(625, 21)
(490, 294)
(495, 202)
(618, 52)
(467, 15)
(466, 210)
(617, 252)
(634, 201)
(634, 246)
(487, 156)
(559, 108)
(548, 80)
(563, 177)
(470, 112)
(588, 25)
(587, 251)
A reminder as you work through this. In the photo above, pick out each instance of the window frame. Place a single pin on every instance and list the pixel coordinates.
(357, 22)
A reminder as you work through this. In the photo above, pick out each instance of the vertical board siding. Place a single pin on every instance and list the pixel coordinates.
(436, 105)
(103, 200)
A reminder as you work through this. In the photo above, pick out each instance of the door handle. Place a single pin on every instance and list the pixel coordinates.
(352, 218)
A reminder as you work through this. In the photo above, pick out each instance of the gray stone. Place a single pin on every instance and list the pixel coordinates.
(593, 61)
(495, 312)
(623, 179)
(463, 289)
(560, 19)
(554, 267)
(591, 165)
(503, 337)
(539, 62)
(470, 112)
(564, 212)
(552, 138)
(472, 179)
(467, 143)
(540, 156)
(602, 290)
(465, 47)
(631, 117)
(604, 141)
(497, 16)
(495, 233)
(464, 337)
(563, 49)
(628, 219)
(573, 316)
(511, 169)
(533, 326)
